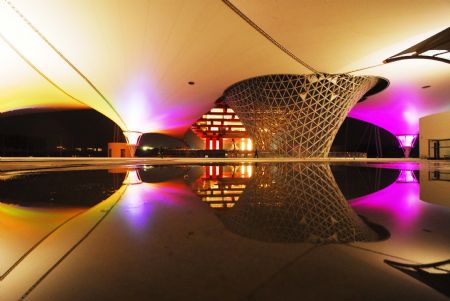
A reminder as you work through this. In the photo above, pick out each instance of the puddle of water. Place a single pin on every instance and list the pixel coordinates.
(392, 209)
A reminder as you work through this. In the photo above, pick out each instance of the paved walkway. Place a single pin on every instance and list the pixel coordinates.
(39, 163)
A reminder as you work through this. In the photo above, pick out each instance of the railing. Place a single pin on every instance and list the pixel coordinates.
(347, 155)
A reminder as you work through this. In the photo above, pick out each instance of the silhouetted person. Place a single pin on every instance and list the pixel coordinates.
(233, 151)
(256, 153)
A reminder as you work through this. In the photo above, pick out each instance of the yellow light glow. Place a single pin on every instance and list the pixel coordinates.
(34, 49)
(132, 178)
(249, 144)
(249, 171)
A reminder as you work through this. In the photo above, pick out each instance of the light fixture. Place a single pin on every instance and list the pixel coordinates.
(133, 138)
(406, 143)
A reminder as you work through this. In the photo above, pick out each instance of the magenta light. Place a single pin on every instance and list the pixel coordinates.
(397, 109)
(397, 165)
(399, 202)
(143, 105)
(407, 176)
(141, 200)
(406, 140)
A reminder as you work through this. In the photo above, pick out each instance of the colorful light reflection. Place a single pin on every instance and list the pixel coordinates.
(407, 176)
(399, 107)
(400, 200)
(141, 199)
(23, 227)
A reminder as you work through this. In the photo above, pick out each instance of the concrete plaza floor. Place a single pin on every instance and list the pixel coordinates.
(31, 163)
(155, 242)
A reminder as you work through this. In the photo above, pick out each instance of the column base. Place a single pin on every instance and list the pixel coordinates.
(133, 138)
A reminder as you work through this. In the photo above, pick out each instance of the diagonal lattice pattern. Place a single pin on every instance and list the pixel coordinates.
(295, 202)
(296, 115)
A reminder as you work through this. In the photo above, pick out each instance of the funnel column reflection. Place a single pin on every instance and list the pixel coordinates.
(295, 203)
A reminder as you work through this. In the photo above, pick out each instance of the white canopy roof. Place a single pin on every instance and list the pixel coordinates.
(132, 60)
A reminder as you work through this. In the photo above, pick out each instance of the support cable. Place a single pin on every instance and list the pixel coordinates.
(29, 63)
(59, 53)
(361, 138)
(363, 68)
(267, 36)
(37, 244)
(73, 248)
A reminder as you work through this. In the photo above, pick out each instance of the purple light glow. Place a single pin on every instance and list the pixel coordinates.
(145, 108)
(407, 176)
(399, 202)
(396, 112)
(397, 165)
(140, 200)
(399, 107)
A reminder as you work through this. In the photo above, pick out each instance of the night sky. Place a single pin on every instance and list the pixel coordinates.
(38, 134)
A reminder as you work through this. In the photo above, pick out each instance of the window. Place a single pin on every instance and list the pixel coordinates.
(232, 123)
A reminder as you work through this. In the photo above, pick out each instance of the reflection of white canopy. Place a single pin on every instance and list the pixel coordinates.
(141, 54)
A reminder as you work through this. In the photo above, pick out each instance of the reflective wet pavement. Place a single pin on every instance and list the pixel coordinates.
(257, 231)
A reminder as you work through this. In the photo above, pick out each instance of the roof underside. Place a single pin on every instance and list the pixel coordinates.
(132, 60)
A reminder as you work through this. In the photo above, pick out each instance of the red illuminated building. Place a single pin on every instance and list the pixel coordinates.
(221, 129)
(220, 186)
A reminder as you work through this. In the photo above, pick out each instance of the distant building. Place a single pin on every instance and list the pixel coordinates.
(221, 186)
(119, 150)
(221, 129)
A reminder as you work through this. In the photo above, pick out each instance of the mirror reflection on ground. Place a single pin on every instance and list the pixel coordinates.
(259, 231)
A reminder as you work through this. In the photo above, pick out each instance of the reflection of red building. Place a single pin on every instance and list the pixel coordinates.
(221, 186)
(221, 129)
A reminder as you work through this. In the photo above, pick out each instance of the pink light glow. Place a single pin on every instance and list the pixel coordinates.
(399, 201)
(410, 116)
(397, 112)
(399, 107)
(397, 165)
(135, 104)
(406, 140)
(146, 109)
(141, 200)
